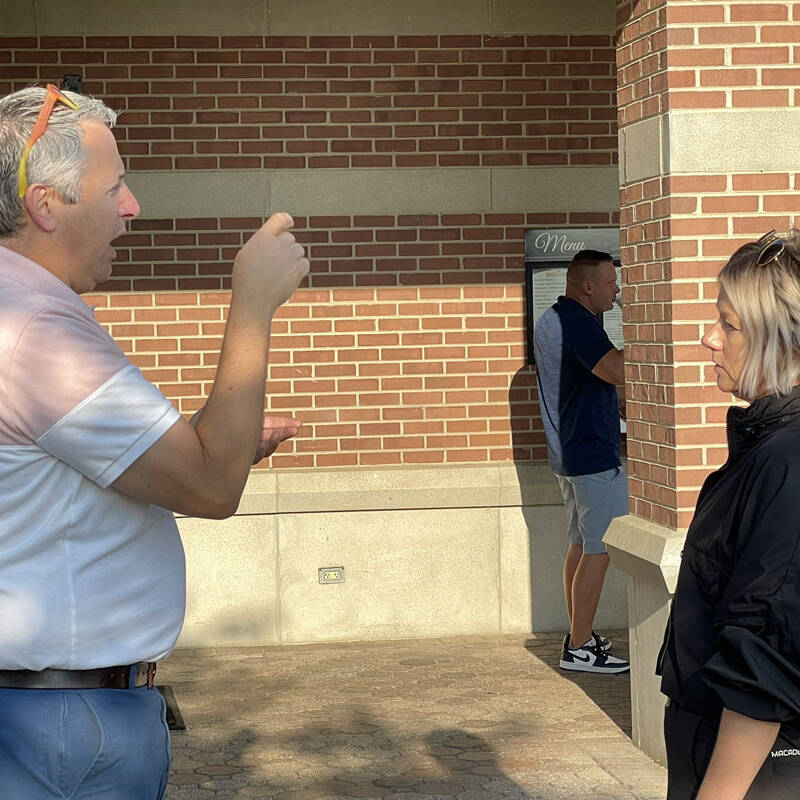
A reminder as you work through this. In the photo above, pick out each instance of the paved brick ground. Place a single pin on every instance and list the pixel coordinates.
(474, 718)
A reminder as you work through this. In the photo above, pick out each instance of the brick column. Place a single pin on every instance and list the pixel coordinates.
(646, 249)
(709, 132)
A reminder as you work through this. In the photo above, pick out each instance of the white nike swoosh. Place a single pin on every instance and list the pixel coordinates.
(587, 659)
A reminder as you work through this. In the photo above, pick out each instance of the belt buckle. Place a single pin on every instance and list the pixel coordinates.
(151, 674)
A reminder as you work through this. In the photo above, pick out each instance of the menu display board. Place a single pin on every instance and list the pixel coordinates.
(547, 256)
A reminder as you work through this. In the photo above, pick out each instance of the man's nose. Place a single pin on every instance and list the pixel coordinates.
(128, 205)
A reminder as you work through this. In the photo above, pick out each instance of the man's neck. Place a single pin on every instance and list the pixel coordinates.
(579, 298)
(38, 252)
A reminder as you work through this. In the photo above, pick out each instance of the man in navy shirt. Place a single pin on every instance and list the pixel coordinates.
(578, 370)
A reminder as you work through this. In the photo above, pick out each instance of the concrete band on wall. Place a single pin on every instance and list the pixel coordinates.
(315, 17)
(354, 191)
(709, 141)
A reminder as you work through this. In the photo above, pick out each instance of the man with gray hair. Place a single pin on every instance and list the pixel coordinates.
(577, 370)
(93, 460)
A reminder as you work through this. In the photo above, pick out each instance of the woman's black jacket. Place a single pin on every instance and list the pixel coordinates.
(733, 638)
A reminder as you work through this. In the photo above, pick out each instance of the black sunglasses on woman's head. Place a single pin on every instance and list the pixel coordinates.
(771, 246)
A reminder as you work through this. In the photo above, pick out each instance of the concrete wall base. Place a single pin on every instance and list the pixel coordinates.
(426, 552)
(650, 556)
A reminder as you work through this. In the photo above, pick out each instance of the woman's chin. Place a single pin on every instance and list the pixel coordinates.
(725, 385)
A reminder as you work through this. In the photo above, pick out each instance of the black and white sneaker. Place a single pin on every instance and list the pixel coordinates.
(605, 644)
(590, 658)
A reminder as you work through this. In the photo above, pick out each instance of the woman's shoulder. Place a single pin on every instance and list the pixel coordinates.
(783, 440)
(778, 454)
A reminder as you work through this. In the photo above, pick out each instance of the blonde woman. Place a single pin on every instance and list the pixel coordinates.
(730, 662)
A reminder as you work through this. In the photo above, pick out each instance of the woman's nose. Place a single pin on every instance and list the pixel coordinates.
(711, 338)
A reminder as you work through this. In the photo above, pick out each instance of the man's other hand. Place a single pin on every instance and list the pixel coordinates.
(274, 431)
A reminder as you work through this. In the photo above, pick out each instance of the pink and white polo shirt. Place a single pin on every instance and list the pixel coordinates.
(89, 577)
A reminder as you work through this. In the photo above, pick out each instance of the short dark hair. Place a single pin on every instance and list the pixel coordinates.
(590, 258)
(584, 265)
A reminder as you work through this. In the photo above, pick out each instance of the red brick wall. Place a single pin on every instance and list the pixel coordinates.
(407, 345)
(208, 102)
(735, 55)
(647, 292)
(679, 230)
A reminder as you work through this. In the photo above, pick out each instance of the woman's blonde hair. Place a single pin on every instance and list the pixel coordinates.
(767, 300)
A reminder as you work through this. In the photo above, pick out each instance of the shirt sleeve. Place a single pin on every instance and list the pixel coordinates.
(585, 338)
(75, 395)
(755, 668)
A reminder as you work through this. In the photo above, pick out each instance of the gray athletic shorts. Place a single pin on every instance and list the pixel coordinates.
(591, 502)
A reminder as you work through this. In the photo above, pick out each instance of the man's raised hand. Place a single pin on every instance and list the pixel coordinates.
(270, 265)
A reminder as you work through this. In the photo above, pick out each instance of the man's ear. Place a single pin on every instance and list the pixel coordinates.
(40, 201)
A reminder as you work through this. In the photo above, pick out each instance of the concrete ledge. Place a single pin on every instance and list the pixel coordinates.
(395, 488)
(636, 545)
(408, 573)
(650, 555)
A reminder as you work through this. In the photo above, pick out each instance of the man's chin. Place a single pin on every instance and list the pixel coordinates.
(102, 274)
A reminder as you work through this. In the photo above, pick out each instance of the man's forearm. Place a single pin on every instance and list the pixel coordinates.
(230, 423)
(200, 468)
(742, 745)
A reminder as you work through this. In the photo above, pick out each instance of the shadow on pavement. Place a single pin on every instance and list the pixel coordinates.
(610, 693)
(355, 757)
(473, 718)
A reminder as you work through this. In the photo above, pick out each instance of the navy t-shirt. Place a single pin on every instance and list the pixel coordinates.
(580, 412)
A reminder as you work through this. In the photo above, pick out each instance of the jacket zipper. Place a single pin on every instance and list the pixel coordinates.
(663, 651)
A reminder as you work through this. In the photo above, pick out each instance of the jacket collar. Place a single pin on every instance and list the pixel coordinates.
(747, 425)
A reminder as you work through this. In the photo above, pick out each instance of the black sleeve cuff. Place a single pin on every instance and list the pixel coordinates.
(752, 678)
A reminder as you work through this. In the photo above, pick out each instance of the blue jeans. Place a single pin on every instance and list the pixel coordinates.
(104, 744)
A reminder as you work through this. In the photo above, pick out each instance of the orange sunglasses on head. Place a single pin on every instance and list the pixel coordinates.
(53, 95)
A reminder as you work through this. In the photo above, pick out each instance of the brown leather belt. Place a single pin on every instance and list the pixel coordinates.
(106, 678)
